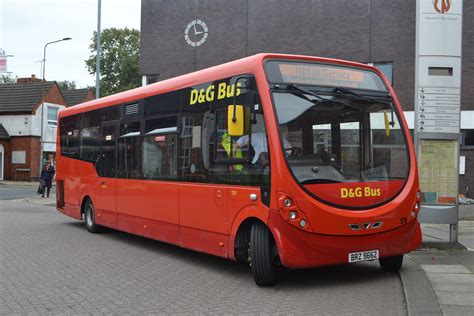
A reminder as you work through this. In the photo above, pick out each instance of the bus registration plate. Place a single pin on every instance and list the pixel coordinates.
(363, 255)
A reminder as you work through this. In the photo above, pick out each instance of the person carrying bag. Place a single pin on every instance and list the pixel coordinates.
(46, 178)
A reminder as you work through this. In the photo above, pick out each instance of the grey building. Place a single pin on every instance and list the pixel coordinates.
(381, 32)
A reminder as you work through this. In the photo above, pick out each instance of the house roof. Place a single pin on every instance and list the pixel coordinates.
(75, 96)
(22, 97)
(3, 133)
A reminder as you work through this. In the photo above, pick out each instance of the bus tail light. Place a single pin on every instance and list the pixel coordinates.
(416, 206)
(418, 196)
(290, 212)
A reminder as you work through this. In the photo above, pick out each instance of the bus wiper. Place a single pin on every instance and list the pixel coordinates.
(319, 98)
(359, 96)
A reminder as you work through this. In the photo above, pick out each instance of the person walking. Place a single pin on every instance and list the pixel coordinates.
(46, 178)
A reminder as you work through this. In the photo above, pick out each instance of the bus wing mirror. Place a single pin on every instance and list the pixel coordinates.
(235, 120)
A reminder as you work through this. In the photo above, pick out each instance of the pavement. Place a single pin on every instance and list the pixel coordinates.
(437, 279)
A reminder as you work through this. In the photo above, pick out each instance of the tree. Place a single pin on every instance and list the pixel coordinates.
(6, 79)
(67, 85)
(119, 60)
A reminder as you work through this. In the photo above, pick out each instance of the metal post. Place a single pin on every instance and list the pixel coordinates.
(42, 98)
(97, 58)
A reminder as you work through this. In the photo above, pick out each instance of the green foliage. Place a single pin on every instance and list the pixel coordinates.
(119, 60)
(6, 79)
(67, 85)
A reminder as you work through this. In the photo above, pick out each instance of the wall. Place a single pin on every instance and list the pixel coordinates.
(31, 145)
(17, 125)
(363, 31)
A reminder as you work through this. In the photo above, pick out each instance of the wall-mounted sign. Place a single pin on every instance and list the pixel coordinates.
(437, 161)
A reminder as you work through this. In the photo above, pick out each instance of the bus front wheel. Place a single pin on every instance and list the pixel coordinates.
(89, 218)
(262, 255)
(391, 264)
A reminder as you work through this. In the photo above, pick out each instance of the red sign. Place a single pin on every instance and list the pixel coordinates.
(442, 6)
(3, 63)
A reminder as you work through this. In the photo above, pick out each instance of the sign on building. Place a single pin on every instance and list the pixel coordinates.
(438, 109)
(3, 61)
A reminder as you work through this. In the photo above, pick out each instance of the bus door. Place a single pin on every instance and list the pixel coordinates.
(202, 202)
(105, 201)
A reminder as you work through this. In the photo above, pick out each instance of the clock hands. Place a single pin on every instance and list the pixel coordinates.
(196, 32)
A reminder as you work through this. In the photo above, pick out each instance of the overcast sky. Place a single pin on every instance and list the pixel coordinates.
(27, 25)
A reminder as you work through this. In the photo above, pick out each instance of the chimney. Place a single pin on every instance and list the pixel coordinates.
(31, 79)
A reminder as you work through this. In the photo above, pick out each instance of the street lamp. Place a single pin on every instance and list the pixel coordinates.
(42, 99)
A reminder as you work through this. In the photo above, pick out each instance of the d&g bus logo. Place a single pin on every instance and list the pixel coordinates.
(442, 6)
(359, 192)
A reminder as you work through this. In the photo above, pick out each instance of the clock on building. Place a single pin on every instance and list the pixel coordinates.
(196, 33)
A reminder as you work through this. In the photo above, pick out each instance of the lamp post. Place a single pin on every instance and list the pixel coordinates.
(42, 98)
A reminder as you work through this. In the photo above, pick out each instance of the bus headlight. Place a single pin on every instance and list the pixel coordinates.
(290, 212)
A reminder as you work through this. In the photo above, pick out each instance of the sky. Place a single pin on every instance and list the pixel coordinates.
(27, 25)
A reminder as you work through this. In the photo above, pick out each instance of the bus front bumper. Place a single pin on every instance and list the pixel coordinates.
(300, 249)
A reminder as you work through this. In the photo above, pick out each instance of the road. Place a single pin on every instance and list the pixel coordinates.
(17, 192)
(50, 264)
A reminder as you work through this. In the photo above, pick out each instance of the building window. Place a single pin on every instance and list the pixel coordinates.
(53, 116)
(467, 138)
(386, 68)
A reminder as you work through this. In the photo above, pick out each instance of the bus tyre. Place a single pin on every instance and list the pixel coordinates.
(262, 255)
(89, 218)
(391, 264)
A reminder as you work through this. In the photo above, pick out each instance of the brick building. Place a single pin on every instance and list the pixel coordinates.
(22, 114)
(382, 32)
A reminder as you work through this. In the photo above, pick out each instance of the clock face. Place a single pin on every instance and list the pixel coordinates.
(196, 33)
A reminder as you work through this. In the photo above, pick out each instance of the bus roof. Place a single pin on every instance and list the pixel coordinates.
(244, 65)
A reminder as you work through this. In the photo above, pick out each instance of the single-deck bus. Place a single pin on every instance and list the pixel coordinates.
(271, 159)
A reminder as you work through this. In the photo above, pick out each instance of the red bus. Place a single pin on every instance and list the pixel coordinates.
(272, 159)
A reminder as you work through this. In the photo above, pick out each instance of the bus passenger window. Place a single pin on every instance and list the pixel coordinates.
(159, 148)
(159, 157)
(129, 151)
(69, 135)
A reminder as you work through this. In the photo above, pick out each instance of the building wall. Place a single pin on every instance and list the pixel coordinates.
(363, 31)
(31, 146)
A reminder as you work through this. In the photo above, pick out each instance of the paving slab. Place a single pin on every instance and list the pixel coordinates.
(456, 298)
(444, 268)
(456, 310)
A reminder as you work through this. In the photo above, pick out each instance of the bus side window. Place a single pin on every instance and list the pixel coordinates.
(159, 148)
(90, 136)
(129, 151)
(195, 140)
(69, 135)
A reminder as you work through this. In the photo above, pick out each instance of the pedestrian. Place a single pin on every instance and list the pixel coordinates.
(46, 178)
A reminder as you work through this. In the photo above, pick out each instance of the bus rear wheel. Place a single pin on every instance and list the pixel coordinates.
(89, 218)
(262, 255)
(391, 264)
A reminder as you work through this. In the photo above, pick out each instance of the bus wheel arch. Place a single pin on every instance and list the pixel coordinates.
(255, 244)
(85, 199)
(88, 211)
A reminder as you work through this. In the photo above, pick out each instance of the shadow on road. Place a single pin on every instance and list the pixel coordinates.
(331, 276)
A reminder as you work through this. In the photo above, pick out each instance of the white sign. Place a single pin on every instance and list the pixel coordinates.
(18, 157)
(462, 164)
(438, 110)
